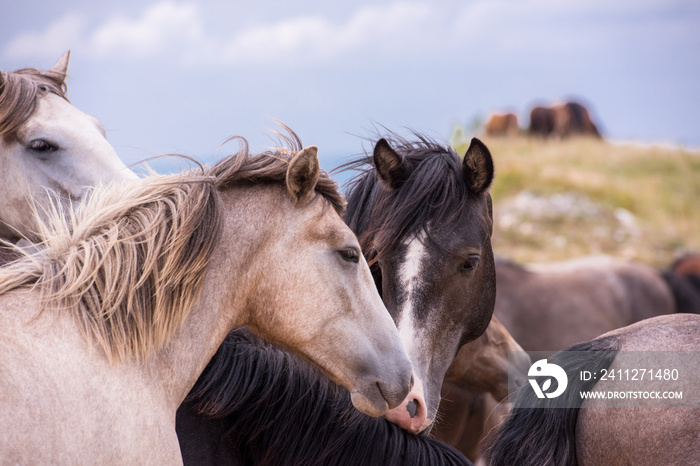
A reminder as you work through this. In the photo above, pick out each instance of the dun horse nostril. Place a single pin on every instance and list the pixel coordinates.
(412, 407)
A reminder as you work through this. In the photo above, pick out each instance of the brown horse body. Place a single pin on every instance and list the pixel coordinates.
(562, 120)
(502, 124)
(552, 306)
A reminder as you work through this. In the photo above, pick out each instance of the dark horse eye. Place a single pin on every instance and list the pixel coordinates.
(350, 254)
(42, 146)
(470, 264)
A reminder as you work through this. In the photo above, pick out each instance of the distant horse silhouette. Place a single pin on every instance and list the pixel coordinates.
(502, 124)
(549, 307)
(593, 434)
(475, 390)
(118, 315)
(47, 147)
(562, 120)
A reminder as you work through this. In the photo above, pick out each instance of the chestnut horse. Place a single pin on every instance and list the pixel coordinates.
(595, 434)
(105, 330)
(47, 148)
(502, 124)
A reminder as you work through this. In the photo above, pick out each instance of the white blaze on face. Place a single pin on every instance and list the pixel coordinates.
(409, 277)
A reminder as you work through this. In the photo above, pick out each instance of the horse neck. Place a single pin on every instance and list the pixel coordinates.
(222, 303)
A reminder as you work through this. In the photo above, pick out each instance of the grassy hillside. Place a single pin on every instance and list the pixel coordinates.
(560, 199)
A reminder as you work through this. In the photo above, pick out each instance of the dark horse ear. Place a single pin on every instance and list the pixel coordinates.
(389, 165)
(302, 174)
(478, 167)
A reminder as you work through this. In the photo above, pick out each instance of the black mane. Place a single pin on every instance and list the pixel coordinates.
(435, 191)
(279, 410)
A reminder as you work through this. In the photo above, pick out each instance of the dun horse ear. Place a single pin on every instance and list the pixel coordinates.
(302, 174)
(478, 167)
(61, 66)
(389, 165)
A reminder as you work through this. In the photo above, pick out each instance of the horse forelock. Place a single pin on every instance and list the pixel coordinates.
(20, 92)
(129, 261)
(435, 193)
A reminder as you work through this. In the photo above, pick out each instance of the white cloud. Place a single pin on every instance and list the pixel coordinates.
(487, 31)
(61, 35)
(160, 26)
(314, 37)
(168, 28)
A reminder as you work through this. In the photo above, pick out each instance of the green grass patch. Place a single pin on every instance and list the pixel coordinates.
(660, 186)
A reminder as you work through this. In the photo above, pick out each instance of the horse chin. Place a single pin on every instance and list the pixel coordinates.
(371, 402)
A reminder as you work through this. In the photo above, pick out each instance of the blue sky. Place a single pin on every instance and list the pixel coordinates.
(181, 76)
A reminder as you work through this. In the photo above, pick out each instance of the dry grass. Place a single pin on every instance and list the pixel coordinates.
(560, 199)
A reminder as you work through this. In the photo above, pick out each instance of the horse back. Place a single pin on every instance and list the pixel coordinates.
(50, 376)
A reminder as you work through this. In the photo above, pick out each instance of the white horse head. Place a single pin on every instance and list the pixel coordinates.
(47, 145)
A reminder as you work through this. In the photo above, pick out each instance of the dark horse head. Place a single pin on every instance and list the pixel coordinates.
(424, 221)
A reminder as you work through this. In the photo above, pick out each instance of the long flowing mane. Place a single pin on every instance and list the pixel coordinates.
(435, 191)
(265, 395)
(129, 262)
(19, 96)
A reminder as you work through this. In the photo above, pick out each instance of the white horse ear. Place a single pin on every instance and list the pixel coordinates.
(61, 66)
(302, 174)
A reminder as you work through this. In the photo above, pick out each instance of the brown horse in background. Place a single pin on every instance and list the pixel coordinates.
(475, 389)
(687, 266)
(549, 307)
(502, 124)
(562, 120)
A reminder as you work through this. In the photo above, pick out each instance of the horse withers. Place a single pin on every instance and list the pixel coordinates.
(105, 330)
(47, 148)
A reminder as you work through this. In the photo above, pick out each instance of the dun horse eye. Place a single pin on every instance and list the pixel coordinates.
(42, 146)
(350, 254)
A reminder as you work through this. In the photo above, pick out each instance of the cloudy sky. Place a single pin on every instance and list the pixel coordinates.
(181, 76)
